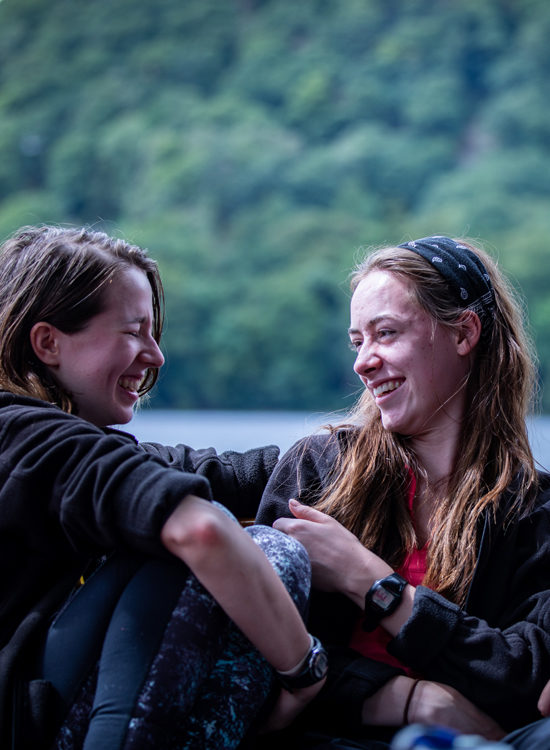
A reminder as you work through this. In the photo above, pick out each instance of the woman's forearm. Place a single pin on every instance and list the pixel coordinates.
(387, 706)
(403, 700)
(240, 578)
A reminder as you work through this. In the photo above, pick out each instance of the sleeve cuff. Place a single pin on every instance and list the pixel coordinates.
(427, 631)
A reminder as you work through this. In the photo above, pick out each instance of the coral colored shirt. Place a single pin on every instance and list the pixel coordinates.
(413, 569)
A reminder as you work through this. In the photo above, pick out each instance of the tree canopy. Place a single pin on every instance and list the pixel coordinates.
(257, 147)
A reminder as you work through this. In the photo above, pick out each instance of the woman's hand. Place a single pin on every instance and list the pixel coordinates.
(435, 703)
(432, 703)
(339, 561)
(289, 706)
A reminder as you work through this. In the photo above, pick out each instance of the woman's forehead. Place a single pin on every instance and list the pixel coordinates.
(384, 286)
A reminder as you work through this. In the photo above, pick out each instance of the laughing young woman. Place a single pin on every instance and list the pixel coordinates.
(427, 525)
(174, 639)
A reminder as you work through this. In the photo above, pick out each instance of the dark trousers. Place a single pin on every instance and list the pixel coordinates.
(143, 657)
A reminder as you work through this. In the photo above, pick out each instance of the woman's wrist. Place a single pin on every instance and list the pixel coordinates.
(298, 667)
(310, 670)
(361, 575)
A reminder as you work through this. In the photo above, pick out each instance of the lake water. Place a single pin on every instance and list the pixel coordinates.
(239, 430)
(224, 430)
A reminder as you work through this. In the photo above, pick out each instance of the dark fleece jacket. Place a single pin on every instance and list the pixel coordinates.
(71, 493)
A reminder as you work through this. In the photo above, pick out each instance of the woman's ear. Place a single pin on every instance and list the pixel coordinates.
(45, 343)
(468, 332)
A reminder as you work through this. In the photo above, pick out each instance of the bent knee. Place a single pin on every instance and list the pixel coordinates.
(273, 540)
(289, 559)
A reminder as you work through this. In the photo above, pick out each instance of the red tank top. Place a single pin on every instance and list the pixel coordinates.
(413, 570)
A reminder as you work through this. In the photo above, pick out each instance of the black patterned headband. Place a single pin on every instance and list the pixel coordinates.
(463, 270)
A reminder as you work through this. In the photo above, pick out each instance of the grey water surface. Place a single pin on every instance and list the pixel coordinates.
(240, 430)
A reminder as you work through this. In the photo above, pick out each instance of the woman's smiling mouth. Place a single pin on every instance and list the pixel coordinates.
(130, 384)
(387, 387)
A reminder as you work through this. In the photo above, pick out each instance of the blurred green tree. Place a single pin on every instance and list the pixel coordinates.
(255, 146)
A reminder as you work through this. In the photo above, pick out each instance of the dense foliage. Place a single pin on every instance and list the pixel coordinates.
(254, 146)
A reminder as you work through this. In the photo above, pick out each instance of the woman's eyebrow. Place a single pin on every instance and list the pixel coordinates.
(372, 322)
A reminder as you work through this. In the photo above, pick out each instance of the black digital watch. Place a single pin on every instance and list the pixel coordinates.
(382, 599)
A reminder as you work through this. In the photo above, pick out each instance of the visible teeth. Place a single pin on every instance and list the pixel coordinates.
(129, 384)
(389, 385)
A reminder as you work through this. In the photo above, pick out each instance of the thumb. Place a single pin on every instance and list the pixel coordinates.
(299, 510)
(544, 700)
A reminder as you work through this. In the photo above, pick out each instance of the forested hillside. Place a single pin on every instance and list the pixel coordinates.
(255, 146)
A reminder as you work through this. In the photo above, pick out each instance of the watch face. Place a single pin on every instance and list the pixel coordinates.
(319, 663)
(382, 598)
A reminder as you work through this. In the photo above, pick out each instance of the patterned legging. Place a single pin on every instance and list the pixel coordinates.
(196, 683)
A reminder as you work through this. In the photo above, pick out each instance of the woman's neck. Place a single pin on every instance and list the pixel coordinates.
(436, 453)
(426, 499)
(437, 458)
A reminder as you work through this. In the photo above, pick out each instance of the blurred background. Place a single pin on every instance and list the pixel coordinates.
(258, 148)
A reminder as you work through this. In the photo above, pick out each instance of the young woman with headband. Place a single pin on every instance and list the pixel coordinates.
(427, 525)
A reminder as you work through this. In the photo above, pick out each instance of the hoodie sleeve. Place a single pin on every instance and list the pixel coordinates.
(100, 487)
(237, 479)
(495, 650)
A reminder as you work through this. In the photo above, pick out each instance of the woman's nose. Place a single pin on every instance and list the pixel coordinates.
(367, 361)
(152, 354)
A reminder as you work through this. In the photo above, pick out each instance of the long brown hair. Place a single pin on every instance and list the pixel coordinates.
(59, 275)
(493, 453)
